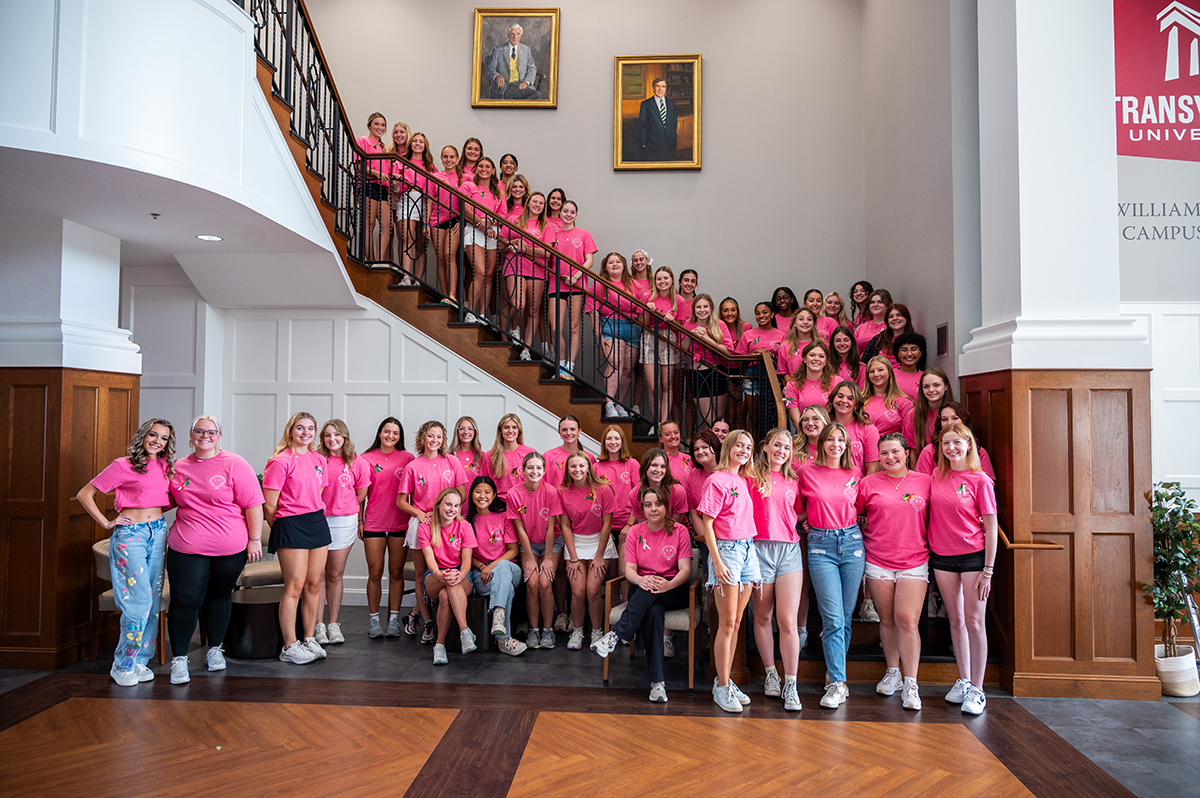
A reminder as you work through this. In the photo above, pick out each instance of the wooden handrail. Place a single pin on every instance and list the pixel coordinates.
(776, 389)
(1008, 544)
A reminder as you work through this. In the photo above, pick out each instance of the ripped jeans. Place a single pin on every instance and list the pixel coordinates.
(835, 566)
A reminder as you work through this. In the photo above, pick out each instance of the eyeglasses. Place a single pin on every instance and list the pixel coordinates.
(206, 433)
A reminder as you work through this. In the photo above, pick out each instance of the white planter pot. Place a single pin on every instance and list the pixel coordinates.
(1177, 674)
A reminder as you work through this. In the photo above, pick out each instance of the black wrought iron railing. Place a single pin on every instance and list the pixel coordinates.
(400, 216)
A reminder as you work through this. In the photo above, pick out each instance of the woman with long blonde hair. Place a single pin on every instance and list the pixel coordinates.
(659, 345)
(345, 498)
(507, 454)
(412, 210)
(446, 542)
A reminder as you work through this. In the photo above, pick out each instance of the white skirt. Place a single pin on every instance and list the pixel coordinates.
(472, 235)
(411, 206)
(586, 546)
(343, 529)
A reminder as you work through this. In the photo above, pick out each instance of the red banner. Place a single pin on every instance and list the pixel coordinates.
(1158, 78)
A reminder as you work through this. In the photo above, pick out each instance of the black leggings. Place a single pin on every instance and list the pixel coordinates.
(648, 611)
(200, 582)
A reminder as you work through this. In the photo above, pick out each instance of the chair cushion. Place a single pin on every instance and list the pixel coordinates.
(108, 602)
(100, 553)
(410, 571)
(676, 620)
(261, 574)
(271, 594)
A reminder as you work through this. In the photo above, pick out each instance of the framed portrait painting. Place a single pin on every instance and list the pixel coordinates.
(515, 58)
(656, 112)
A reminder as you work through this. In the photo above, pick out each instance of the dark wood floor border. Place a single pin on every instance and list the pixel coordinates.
(22, 703)
(1187, 707)
(478, 755)
(1044, 762)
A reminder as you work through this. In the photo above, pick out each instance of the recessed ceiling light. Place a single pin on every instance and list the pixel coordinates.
(207, 237)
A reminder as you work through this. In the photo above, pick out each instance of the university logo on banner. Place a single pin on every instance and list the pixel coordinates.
(1158, 78)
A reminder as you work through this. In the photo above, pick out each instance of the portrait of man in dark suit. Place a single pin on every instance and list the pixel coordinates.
(658, 125)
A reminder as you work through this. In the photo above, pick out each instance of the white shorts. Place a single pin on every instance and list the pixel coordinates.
(410, 538)
(411, 206)
(586, 545)
(889, 575)
(343, 529)
(472, 235)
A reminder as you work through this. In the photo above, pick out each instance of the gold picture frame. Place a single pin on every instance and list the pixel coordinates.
(642, 138)
(535, 65)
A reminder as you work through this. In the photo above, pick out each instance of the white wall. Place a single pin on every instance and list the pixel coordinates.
(780, 198)
(1174, 330)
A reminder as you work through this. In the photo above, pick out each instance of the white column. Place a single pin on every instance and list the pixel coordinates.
(60, 282)
(1048, 192)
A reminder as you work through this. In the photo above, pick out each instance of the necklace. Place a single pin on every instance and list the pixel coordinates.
(896, 485)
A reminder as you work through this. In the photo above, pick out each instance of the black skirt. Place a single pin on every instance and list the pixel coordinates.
(308, 531)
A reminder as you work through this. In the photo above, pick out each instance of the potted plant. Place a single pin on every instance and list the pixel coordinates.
(1176, 572)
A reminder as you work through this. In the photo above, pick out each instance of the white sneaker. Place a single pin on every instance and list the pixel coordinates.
(179, 670)
(596, 635)
(124, 677)
(910, 696)
(393, 627)
(547, 350)
(725, 698)
(511, 646)
(498, 622)
(297, 654)
(835, 695)
(668, 646)
(335, 634)
(471, 318)
(803, 637)
(791, 697)
(959, 691)
(975, 702)
(466, 639)
(773, 688)
(610, 410)
(738, 695)
(637, 409)
(606, 644)
(534, 640)
(312, 645)
(867, 612)
(525, 356)
(144, 674)
(561, 623)
(515, 336)
(548, 640)
(622, 412)
(439, 654)
(890, 683)
(375, 629)
(215, 659)
(321, 635)
(576, 641)
(658, 692)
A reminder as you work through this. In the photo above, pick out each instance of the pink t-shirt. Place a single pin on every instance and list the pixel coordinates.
(783, 322)
(890, 417)
(621, 477)
(585, 508)
(843, 373)
(909, 383)
(685, 308)
(534, 511)
(701, 353)
(829, 496)
(678, 502)
(341, 491)
(614, 303)
(756, 338)
(693, 486)
(454, 538)
(443, 198)
(486, 200)
(927, 461)
(864, 445)
(896, 509)
(213, 495)
(533, 264)
(472, 463)
(576, 244)
(956, 507)
(300, 480)
(775, 515)
(493, 533)
(643, 288)
(726, 499)
(810, 394)
(662, 305)
(134, 489)
(513, 458)
(825, 327)
(658, 553)
(790, 359)
(374, 147)
(910, 426)
(866, 331)
(426, 477)
(556, 463)
(680, 464)
(384, 471)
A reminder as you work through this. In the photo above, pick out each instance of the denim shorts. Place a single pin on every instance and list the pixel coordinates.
(621, 329)
(892, 575)
(740, 558)
(539, 549)
(778, 558)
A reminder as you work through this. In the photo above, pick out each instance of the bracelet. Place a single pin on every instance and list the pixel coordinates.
(255, 540)
(572, 561)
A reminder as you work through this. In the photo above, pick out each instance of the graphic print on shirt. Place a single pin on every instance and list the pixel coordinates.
(216, 480)
(344, 478)
(964, 493)
(914, 500)
(645, 544)
(851, 491)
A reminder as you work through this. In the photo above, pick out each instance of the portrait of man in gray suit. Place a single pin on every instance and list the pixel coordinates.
(510, 71)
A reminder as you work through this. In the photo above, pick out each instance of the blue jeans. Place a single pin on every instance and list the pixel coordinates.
(835, 566)
(135, 559)
(505, 577)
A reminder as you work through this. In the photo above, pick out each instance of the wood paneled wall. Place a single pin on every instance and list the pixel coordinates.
(1072, 457)
(58, 429)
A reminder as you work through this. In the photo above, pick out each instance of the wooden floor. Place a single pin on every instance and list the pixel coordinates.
(71, 734)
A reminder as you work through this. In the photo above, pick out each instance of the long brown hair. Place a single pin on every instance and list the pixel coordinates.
(136, 453)
(800, 375)
(921, 406)
(348, 452)
(496, 453)
(762, 465)
(426, 155)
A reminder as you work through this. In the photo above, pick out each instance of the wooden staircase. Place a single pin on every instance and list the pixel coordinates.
(417, 306)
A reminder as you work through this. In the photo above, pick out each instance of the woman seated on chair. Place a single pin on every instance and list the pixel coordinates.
(658, 562)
